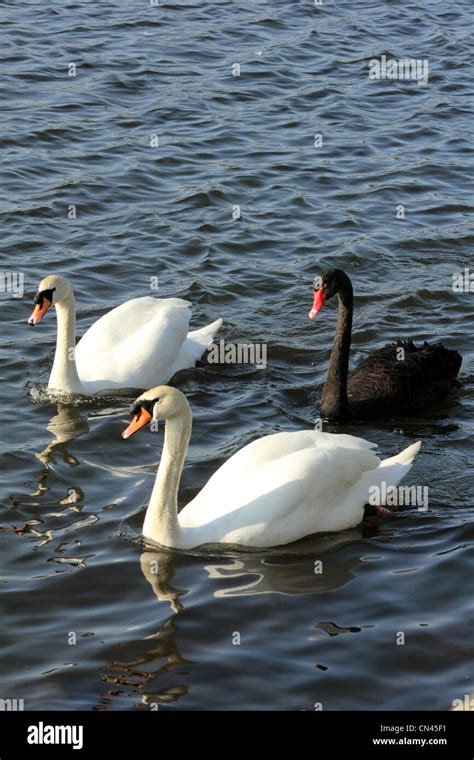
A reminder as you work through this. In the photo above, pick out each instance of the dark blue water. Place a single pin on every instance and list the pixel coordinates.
(73, 494)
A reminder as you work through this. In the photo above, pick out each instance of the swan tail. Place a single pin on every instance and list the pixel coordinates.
(202, 339)
(405, 457)
(195, 345)
(381, 481)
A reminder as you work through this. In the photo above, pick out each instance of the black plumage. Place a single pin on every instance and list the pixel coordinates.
(400, 378)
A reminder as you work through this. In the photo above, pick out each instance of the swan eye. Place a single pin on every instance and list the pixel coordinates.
(39, 297)
(146, 404)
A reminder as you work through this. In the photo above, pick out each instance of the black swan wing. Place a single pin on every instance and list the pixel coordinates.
(402, 377)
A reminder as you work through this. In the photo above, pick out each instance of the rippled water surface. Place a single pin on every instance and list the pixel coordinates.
(73, 493)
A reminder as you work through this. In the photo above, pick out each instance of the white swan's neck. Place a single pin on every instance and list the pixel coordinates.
(64, 377)
(161, 523)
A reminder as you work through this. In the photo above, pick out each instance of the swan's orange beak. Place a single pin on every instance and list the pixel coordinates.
(39, 311)
(138, 422)
(318, 303)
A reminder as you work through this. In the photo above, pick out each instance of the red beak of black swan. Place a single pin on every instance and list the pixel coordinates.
(318, 303)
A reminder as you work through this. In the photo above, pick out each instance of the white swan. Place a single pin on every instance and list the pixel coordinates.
(129, 347)
(273, 491)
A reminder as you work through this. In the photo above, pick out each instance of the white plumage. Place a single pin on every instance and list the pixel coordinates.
(289, 485)
(273, 491)
(143, 342)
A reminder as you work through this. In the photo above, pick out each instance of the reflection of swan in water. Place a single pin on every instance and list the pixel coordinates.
(292, 571)
(158, 568)
(144, 682)
(322, 564)
(67, 425)
(162, 644)
(318, 564)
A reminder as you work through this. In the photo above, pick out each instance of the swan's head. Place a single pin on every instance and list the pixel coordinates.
(51, 291)
(326, 286)
(161, 403)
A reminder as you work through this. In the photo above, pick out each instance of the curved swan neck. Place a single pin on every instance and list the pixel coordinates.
(334, 402)
(161, 520)
(64, 375)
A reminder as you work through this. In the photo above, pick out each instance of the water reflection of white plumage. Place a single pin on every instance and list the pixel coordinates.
(315, 569)
(67, 425)
(316, 565)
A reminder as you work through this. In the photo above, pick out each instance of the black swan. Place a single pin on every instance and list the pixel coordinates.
(400, 378)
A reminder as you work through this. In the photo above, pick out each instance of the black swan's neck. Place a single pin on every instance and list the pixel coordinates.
(334, 402)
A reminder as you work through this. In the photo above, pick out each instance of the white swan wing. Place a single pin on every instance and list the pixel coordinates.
(195, 345)
(282, 487)
(133, 346)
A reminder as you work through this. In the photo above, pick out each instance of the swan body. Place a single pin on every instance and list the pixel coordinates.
(141, 340)
(273, 491)
(400, 378)
(381, 384)
(131, 346)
